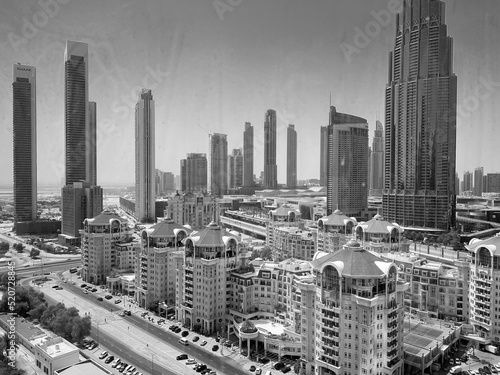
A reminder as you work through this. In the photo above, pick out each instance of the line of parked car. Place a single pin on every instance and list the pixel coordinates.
(198, 367)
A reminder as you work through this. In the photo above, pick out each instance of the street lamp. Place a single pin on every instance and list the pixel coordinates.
(152, 364)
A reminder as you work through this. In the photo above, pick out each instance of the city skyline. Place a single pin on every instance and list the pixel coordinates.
(239, 62)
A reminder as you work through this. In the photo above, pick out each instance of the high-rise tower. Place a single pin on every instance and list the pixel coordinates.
(377, 160)
(291, 156)
(196, 172)
(323, 156)
(420, 120)
(248, 155)
(91, 166)
(235, 169)
(76, 106)
(145, 157)
(24, 142)
(347, 187)
(270, 167)
(217, 164)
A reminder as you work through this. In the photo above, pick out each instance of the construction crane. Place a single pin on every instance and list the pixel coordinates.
(205, 130)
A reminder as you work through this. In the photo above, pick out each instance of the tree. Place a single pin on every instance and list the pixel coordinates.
(19, 247)
(34, 253)
(153, 305)
(27, 299)
(4, 246)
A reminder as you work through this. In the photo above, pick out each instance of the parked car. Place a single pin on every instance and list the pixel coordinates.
(258, 371)
(108, 296)
(127, 312)
(190, 361)
(181, 357)
(252, 368)
(203, 343)
(117, 301)
(215, 348)
(184, 333)
(196, 338)
(83, 285)
(85, 292)
(286, 369)
(100, 299)
(59, 288)
(278, 366)
(109, 359)
(103, 355)
(116, 363)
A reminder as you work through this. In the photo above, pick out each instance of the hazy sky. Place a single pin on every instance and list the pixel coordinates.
(221, 63)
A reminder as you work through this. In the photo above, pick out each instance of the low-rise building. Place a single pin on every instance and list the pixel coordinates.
(54, 354)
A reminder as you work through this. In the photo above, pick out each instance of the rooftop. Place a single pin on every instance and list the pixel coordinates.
(57, 346)
(105, 217)
(83, 368)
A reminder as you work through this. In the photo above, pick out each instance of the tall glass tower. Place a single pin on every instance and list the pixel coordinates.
(270, 167)
(420, 120)
(24, 131)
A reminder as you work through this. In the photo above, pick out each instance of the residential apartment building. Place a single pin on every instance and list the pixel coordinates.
(334, 231)
(292, 242)
(99, 237)
(126, 254)
(210, 255)
(155, 270)
(358, 314)
(217, 164)
(196, 210)
(284, 216)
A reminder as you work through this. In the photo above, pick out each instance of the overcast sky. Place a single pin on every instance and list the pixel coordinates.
(221, 63)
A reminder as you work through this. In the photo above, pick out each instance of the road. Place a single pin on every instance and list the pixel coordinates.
(135, 339)
(56, 266)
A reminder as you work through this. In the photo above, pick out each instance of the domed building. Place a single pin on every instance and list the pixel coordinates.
(333, 231)
(209, 256)
(359, 313)
(380, 235)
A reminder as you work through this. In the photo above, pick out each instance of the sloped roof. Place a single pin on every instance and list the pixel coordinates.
(104, 218)
(284, 210)
(378, 225)
(492, 244)
(167, 228)
(353, 260)
(337, 218)
(212, 235)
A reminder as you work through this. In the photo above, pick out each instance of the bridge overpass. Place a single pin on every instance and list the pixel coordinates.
(254, 230)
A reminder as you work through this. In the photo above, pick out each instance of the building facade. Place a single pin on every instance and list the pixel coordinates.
(478, 181)
(334, 231)
(100, 234)
(235, 169)
(54, 354)
(359, 313)
(156, 267)
(195, 210)
(76, 106)
(79, 202)
(347, 187)
(291, 156)
(248, 155)
(217, 164)
(196, 172)
(270, 167)
(145, 157)
(377, 160)
(421, 99)
(323, 156)
(91, 145)
(210, 255)
(24, 143)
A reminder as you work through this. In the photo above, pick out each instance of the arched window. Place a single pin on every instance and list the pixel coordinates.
(484, 257)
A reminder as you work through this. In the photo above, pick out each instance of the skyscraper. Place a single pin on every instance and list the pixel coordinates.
(217, 164)
(467, 181)
(79, 201)
(270, 167)
(248, 155)
(91, 147)
(77, 125)
(377, 160)
(183, 176)
(478, 181)
(347, 187)
(196, 172)
(323, 156)
(291, 156)
(145, 157)
(420, 116)
(235, 169)
(24, 142)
